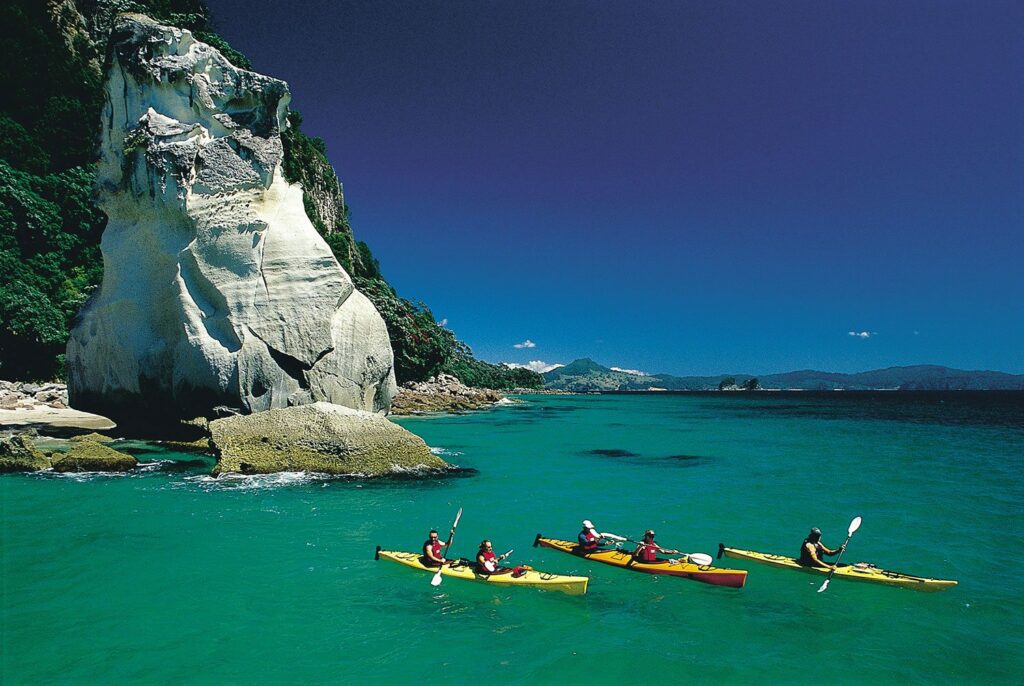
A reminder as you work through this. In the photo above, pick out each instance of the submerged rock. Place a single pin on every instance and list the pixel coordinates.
(318, 438)
(217, 290)
(89, 456)
(19, 454)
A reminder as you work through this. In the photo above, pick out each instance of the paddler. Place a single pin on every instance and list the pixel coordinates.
(588, 538)
(432, 556)
(486, 560)
(813, 551)
(647, 551)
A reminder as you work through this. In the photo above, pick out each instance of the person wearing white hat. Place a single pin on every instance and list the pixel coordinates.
(588, 538)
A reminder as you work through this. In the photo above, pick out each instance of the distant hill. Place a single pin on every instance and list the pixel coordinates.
(922, 377)
(586, 375)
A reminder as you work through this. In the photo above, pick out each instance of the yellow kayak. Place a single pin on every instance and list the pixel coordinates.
(858, 572)
(707, 574)
(461, 569)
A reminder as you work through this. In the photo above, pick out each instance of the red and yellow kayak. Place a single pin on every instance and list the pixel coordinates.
(734, 578)
(858, 572)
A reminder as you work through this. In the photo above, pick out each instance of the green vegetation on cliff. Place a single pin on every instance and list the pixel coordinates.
(422, 347)
(50, 227)
(474, 372)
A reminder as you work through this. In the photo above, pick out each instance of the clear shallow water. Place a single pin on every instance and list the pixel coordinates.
(169, 576)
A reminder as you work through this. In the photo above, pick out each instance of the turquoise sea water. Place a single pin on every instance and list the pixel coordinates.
(169, 576)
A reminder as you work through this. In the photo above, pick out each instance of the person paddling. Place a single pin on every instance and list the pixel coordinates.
(648, 550)
(432, 556)
(588, 538)
(813, 551)
(486, 560)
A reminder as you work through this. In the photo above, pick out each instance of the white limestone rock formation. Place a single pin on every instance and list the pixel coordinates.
(217, 290)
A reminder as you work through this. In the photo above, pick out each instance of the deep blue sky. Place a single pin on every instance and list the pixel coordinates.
(678, 187)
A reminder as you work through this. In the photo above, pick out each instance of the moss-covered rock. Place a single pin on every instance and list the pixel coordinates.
(89, 456)
(19, 454)
(94, 437)
(318, 438)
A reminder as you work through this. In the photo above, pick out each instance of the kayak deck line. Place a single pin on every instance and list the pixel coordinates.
(708, 574)
(855, 572)
(465, 569)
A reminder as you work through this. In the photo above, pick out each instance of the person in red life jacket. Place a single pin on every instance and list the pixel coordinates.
(486, 560)
(588, 538)
(432, 556)
(813, 551)
(648, 550)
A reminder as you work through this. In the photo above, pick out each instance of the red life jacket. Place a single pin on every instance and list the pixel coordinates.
(587, 539)
(488, 556)
(649, 553)
(434, 546)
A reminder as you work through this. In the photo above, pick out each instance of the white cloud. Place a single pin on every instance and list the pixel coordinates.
(443, 322)
(634, 372)
(538, 366)
(862, 334)
(525, 344)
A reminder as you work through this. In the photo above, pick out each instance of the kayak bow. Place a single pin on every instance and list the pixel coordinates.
(857, 572)
(572, 585)
(734, 578)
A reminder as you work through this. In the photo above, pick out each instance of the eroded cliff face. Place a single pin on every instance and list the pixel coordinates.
(217, 289)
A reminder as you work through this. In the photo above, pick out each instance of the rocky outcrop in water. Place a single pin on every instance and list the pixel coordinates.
(217, 289)
(443, 393)
(318, 438)
(19, 454)
(90, 456)
(92, 436)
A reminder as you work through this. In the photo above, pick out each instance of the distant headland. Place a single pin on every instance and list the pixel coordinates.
(585, 374)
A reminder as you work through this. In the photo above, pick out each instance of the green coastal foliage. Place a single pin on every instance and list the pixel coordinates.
(50, 227)
(49, 255)
(474, 372)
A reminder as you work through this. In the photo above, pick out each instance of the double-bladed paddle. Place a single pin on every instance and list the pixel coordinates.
(854, 525)
(436, 580)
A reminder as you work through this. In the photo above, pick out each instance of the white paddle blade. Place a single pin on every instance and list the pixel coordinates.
(854, 525)
(614, 537)
(702, 559)
(458, 516)
(824, 586)
(436, 579)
